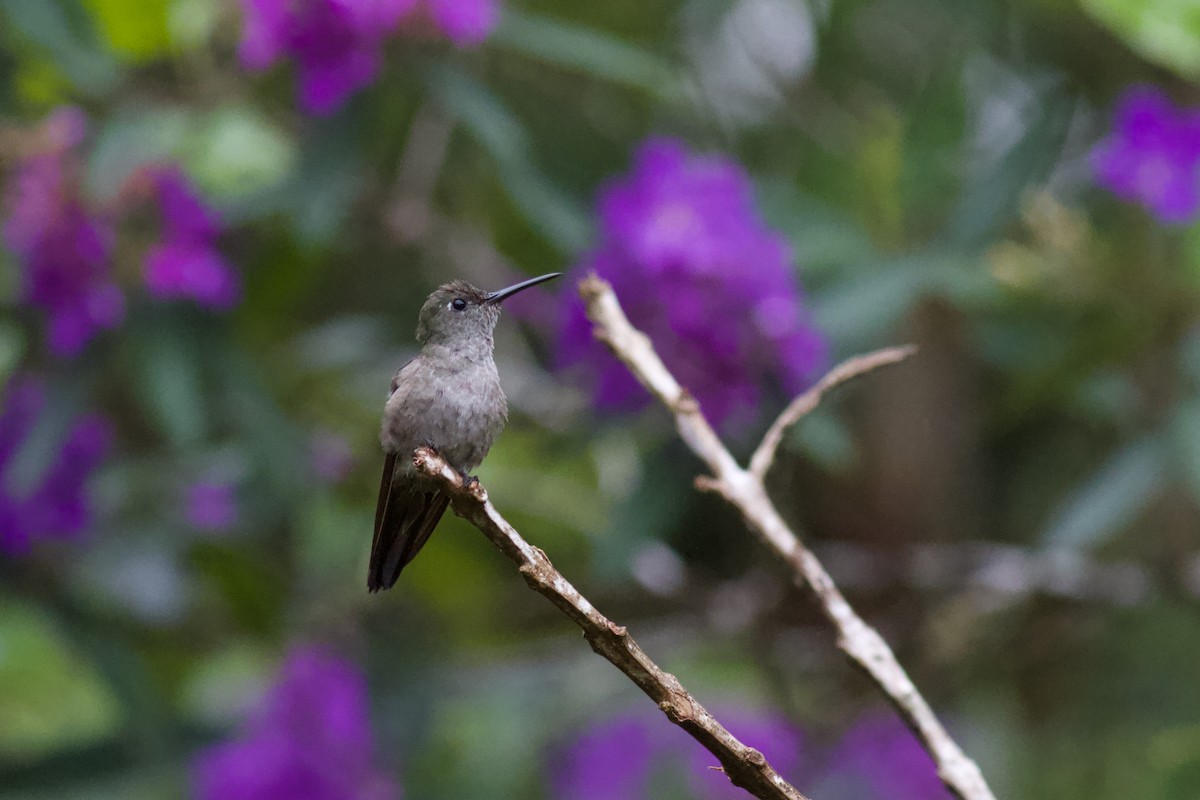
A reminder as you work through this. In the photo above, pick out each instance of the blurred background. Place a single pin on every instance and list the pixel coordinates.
(221, 218)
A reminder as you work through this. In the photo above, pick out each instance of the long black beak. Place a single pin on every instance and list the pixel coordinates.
(495, 297)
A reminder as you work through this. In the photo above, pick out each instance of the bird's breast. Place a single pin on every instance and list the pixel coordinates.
(457, 408)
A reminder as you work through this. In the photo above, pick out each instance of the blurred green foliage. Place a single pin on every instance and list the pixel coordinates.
(928, 164)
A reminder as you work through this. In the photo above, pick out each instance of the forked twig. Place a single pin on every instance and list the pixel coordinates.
(745, 490)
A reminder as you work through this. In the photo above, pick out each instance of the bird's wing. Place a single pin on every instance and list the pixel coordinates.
(404, 520)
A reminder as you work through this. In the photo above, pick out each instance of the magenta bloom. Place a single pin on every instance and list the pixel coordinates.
(877, 759)
(697, 269)
(771, 734)
(211, 506)
(1152, 155)
(186, 262)
(64, 251)
(330, 456)
(338, 44)
(464, 22)
(310, 740)
(880, 757)
(617, 759)
(53, 504)
(612, 761)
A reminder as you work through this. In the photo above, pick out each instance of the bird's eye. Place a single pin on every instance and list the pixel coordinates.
(458, 304)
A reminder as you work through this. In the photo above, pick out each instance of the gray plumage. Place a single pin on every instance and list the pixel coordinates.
(449, 398)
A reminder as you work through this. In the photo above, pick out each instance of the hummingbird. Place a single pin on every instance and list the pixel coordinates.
(447, 398)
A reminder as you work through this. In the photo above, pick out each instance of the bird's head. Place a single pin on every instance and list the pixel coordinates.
(458, 310)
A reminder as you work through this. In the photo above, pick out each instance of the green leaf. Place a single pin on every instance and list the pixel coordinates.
(135, 29)
(822, 237)
(237, 151)
(319, 191)
(1110, 499)
(992, 199)
(232, 152)
(825, 439)
(584, 49)
(62, 29)
(50, 698)
(192, 22)
(548, 209)
(221, 687)
(170, 382)
(12, 348)
(1185, 443)
(1166, 32)
(66, 399)
(132, 139)
(858, 311)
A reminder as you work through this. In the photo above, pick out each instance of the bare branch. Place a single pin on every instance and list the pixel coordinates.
(764, 456)
(744, 766)
(744, 489)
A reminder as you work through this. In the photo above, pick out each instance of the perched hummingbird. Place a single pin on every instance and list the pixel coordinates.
(447, 398)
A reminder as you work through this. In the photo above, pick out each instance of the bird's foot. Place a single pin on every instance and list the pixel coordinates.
(469, 481)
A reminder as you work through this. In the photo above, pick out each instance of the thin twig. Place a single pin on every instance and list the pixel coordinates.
(743, 765)
(764, 456)
(744, 489)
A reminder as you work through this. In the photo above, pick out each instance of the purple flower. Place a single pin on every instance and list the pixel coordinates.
(330, 456)
(64, 251)
(696, 268)
(309, 740)
(1152, 156)
(771, 734)
(612, 761)
(338, 44)
(879, 757)
(53, 504)
(464, 22)
(186, 262)
(211, 506)
(616, 759)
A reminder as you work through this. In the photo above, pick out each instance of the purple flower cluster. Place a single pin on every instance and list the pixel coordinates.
(330, 456)
(618, 759)
(1152, 155)
(696, 269)
(338, 44)
(54, 503)
(186, 262)
(879, 757)
(65, 250)
(309, 740)
(210, 505)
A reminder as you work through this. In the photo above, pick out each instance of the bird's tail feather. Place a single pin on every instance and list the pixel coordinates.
(404, 520)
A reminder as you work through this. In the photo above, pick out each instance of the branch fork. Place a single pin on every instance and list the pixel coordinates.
(744, 489)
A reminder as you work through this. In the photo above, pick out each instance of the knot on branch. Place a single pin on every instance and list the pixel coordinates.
(592, 286)
(685, 403)
(755, 757)
(424, 459)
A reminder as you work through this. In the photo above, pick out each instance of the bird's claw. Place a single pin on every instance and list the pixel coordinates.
(468, 481)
